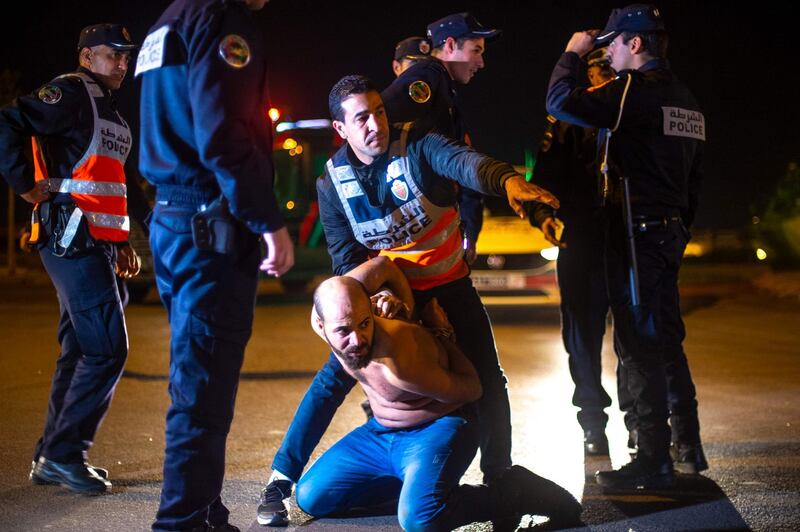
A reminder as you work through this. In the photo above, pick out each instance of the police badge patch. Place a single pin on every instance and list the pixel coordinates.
(234, 50)
(419, 91)
(400, 189)
(50, 94)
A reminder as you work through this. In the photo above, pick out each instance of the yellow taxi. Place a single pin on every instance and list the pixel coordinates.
(515, 265)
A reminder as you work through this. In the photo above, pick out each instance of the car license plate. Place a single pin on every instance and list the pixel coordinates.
(499, 281)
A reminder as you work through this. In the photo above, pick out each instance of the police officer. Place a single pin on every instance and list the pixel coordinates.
(653, 131)
(206, 146)
(385, 191)
(408, 51)
(77, 184)
(427, 93)
(565, 164)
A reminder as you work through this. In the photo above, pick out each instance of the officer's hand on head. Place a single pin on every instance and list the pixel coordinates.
(582, 42)
(39, 193)
(128, 263)
(280, 253)
(519, 191)
(550, 229)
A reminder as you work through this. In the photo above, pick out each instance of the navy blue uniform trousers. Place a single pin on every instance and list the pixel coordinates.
(94, 346)
(645, 334)
(210, 299)
(584, 307)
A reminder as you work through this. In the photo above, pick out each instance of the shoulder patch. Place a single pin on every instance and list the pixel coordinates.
(235, 51)
(50, 94)
(419, 91)
(598, 87)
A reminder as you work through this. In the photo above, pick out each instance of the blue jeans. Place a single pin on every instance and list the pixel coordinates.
(94, 346)
(210, 299)
(474, 335)
(416, 469)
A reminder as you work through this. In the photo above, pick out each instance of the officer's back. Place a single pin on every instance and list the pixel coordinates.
(184, 143)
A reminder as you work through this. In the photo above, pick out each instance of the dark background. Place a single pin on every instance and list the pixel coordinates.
(741, 63)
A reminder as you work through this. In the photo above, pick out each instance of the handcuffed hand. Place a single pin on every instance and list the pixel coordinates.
(128, 263)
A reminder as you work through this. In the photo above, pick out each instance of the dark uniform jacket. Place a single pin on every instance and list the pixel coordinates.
(565, 165)
(659, 142)
(440, 114)
(203, 109)
(64, 126)
(434, 162)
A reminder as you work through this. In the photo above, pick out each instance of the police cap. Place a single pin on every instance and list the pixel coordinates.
(457, 26)
(598, 57)
(632, 18)
(412, 48)
(114, 35)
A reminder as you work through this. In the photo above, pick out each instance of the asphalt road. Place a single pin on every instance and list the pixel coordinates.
(743, 349)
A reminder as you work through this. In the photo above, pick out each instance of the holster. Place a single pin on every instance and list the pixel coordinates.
(68, 240)
(214, 228)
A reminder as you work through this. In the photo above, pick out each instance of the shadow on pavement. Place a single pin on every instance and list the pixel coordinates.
(695, 503)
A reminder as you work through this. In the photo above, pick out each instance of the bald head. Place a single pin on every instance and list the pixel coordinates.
(337, 293)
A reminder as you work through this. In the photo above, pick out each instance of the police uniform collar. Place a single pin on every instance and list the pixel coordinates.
(655, 64)
(356, 163)
(97, 80)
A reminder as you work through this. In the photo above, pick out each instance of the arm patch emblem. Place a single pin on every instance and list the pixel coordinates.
(50, 94)
(419, 91)
(235, 51)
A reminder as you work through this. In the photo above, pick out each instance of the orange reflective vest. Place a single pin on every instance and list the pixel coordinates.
(97, 183)
(422, 238)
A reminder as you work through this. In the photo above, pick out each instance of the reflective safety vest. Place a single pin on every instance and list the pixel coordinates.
(423, 239)
(97, 183)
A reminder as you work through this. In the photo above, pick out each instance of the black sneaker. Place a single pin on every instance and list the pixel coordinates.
(595, 442)
(689, 458)
(638, 475)
(531, 494)
(273, 510)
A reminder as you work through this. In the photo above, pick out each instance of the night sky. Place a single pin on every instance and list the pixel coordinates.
(742, 65)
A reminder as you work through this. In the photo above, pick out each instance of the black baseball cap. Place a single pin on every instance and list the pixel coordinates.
(457, 26)
(412, 48)
(633, 18)
(114, 35)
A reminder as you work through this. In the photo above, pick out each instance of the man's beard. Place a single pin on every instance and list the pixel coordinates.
(350, 356)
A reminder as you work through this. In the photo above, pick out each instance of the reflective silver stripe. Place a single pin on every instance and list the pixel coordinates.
(111, 221)
(433, 270)
(98, 188)
(437, 240)
(71, 229)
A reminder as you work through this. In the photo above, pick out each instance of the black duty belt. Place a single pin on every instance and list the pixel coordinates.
(184, 195)
(652, 223)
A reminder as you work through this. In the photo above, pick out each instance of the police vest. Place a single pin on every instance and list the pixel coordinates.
(423, 239)
(97, 183)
